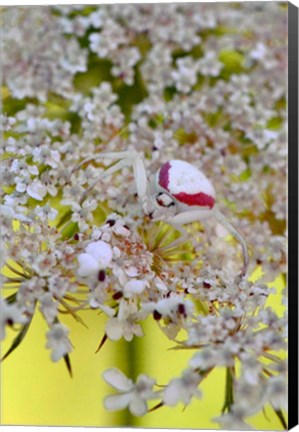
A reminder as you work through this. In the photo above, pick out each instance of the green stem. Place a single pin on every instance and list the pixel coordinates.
(64, 218)
(229, 390)
(128, 361)
(133, 349)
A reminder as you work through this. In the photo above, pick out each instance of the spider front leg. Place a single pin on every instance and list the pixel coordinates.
(197, 215)
(226, 224)
(125, 159)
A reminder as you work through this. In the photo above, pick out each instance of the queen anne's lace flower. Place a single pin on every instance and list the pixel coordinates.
(126, 324)
(58, 342)
(33, 67)
(182, 389)
(171, 82)
(133, 396)
(48, 307)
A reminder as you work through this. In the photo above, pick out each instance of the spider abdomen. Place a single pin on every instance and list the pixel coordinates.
(186, 184)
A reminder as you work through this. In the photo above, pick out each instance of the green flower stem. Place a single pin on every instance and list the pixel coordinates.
(64, 218)
(69, 230)
(229, 390)
(128, 360)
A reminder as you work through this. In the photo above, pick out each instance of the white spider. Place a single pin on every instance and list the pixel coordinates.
(178, 193)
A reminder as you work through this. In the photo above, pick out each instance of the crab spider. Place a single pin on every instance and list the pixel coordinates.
(179, 193)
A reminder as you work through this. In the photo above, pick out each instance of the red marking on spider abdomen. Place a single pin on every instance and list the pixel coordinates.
(200, 199)
(164, 175)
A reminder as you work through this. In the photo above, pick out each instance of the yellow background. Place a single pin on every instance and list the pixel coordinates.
(36, 391)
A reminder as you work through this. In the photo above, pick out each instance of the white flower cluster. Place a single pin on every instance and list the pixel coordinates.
(171, 81)
(32, 66)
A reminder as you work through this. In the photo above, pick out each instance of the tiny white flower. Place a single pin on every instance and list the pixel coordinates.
(10, 213)
(277, 392)
(10, 314)
(204, 359)
(121, 230)
(133, 396)
(44, 155)
(57, 340)
(37, 190)
(184, 388)
(134, 286)
(114, 329)
(160, 285)
(170, 306)
(251, 369)
(132, 271)
(46, 212)
(125, 324)
(209, 65)
(259, 52)
(249, 398)
(106, 237)
(232, 421)
(22, 183)
(48, 307)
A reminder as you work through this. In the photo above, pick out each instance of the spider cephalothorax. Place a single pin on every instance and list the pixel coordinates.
(179, 192)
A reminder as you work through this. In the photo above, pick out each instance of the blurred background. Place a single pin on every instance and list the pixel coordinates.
(35, 391)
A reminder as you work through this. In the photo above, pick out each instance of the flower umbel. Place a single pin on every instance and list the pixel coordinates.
(142, 146)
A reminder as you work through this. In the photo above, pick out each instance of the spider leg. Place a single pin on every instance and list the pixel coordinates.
(226, 224)
(116, 167)
(127, 159)
(189, 216)
(113, 156)
(140, 177)
(195, 215)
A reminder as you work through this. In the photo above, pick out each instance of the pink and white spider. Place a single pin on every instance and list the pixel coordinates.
(178, 193)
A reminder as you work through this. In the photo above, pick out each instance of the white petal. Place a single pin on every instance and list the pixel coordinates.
(108, 310)
(171, 395)
(52, 190)
(121, 230)
(114, 329)
(32, 169)
(60, 350)
(101, 251)
(37, 190)
(160, 284)
(9, 212)
(117, 402)
(117, 380)
(134, 286)
(87, 265)
(138, 406)
(132, 271)
(21, 187)
(57, 354)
